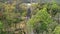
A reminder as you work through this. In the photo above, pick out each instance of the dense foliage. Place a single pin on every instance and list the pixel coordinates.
(14, 14)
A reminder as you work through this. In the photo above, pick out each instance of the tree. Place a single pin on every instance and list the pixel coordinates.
(41, 16)
(53, 9)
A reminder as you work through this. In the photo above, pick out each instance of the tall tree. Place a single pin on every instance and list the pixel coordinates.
(41, 15)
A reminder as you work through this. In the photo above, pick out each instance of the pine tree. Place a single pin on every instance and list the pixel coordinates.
(41, 15)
